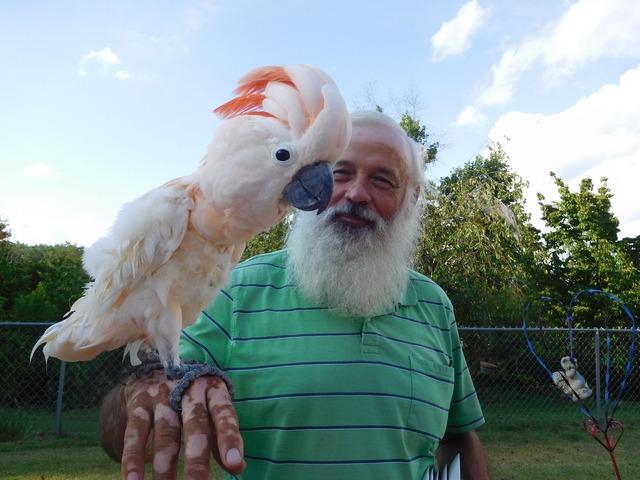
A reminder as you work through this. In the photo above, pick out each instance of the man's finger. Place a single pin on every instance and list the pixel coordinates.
(197, 431)
(166, 440)
(228, 441)
(135, 439)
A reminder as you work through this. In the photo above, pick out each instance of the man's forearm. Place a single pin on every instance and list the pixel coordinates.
(113, 422)
(473, 461)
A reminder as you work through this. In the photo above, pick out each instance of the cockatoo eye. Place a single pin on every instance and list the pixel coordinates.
(283, 154)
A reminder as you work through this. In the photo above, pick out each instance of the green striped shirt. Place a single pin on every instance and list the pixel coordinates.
(323, 396)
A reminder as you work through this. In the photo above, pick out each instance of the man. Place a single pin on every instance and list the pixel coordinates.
(346, 364)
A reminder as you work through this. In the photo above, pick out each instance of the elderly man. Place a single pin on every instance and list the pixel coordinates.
(346, 364)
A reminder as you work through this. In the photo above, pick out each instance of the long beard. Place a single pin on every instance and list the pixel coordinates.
(356, 270)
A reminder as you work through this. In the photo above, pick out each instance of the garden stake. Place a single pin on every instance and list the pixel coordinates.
(574, 385)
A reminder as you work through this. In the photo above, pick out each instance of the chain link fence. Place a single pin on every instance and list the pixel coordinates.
(515, 391)
(56, 398)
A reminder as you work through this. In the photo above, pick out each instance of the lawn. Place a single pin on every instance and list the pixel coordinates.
(532, 445)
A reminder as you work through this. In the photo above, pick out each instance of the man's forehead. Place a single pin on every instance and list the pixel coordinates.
(379, 140)
(380, 134)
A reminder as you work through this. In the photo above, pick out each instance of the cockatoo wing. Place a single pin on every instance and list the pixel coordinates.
(146, 233)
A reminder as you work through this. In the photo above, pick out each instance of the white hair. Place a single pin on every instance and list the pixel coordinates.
(361, 272)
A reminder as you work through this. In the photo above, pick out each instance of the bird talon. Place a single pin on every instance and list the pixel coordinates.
(186, 373)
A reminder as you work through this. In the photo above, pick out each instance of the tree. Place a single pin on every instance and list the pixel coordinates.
(418, 132)
(478, 244)
(4, 230)
(633, 246)
(56, 281)
(38, 282)
(583, 246)
(272, 239)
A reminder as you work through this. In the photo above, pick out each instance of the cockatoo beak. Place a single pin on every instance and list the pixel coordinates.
(311, 188)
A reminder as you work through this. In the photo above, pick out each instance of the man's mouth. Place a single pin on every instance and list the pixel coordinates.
(355, 220)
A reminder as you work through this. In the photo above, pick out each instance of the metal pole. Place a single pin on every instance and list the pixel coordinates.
(63, 366)
(597, 372)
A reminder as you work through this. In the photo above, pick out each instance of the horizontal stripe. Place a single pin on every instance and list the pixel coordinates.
(406, 342)
(423, 280)
(344, 362)
(196, 342)
(442, 329)
(339, 427)
(226, 334)
(431, 302)
(337, 462)
(254, 264)
(465, 397)
(297, 335)
(337, 394)
(339, 334)
(226, 294)
(299, 309)
(479, 419)
(262, 285)
(462, 371)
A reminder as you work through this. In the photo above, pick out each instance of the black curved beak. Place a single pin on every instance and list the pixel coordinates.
(311, 188)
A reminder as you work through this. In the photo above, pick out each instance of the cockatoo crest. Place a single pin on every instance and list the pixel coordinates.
(251, 94)
(171, 250)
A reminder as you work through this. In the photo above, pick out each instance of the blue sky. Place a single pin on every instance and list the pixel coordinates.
(102, 101)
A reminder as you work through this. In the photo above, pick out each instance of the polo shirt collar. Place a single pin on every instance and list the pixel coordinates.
(410, 296)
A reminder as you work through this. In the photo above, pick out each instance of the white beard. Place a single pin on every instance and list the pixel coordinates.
(356, 270)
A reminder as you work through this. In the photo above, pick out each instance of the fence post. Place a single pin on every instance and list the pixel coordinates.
(63, 366)
(597, 372)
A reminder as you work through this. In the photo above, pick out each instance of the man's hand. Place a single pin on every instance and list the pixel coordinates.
(473, 461)
(152, 433)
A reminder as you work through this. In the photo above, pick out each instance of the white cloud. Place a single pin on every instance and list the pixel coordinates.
(104, 59)
(40, 218)
(122, 75)
(151, 46)
(41, 170)
(599, 136)
(587, 31)
(102, 62)
(155, 46)
(470, 116)
(454, 36)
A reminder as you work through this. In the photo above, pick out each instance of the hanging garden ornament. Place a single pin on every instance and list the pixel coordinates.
(607, 431)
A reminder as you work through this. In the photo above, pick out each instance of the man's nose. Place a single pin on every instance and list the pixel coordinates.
(358, 192)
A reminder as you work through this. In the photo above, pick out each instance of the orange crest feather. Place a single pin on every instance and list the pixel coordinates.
(251, 92)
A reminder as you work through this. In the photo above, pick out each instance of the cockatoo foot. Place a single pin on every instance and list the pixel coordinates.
(176, 371)
(187, 372)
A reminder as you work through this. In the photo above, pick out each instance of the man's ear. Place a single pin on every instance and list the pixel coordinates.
(416, 193)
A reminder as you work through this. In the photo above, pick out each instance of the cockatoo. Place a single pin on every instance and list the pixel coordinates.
(170, 251)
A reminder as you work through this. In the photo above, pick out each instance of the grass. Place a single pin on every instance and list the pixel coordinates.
(526, 444)
(521, 444)
(70, 458)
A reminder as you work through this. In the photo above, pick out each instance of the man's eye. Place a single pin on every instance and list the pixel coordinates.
(341, 173)
(383, 182)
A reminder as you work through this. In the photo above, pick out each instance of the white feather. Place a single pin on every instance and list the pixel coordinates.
(289, 99)
(171, 250)
(309, 85)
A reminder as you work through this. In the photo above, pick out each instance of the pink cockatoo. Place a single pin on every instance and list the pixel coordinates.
(170, 251)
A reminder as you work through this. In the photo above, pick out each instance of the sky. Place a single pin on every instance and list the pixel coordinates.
(102, 101)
